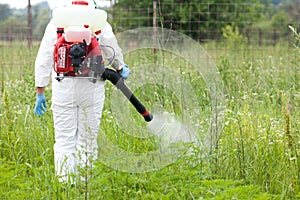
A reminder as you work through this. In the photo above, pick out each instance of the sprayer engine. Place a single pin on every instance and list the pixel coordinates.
(76, 53)
(77, 48)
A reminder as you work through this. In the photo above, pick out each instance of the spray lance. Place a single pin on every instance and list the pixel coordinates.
(116, 79)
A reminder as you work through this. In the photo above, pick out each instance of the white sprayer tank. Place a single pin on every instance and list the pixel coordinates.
(79, 14)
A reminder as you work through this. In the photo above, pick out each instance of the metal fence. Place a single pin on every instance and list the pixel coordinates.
(154, 14)
(192, 26)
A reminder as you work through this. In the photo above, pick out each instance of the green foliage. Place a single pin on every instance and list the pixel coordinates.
(296, 57)
(40, 17)
(296, 36)
(187, 17)
(13, 24)
(257, 156)
(4, 11)
(292, 7)
(232, 35)
(280, 20)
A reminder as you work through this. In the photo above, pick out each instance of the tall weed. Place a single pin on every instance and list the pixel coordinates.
(258, 149)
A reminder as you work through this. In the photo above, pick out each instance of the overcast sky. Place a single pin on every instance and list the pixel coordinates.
(23, 3)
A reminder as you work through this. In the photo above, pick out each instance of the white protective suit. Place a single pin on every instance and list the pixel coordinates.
(76, 104)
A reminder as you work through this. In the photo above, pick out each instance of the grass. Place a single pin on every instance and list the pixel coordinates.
(257, 154)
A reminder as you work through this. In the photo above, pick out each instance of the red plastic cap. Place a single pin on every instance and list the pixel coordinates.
(98, 32)
(60, 30)
(145, 114)
(80, 3)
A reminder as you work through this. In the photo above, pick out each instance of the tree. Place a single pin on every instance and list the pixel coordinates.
(41, 16)
(14, 25)
(5, 11)
(131, 13)
(198, 19)
(13, 28)
(281, 20)
(284, 15)
(293, 10)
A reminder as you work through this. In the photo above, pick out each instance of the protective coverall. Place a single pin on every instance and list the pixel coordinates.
(76, 104)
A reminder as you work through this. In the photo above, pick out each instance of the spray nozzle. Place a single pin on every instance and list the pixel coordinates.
(147, 116)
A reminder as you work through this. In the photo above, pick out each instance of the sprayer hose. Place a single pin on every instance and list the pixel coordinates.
(118, 81)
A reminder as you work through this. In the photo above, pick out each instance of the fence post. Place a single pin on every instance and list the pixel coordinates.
(154, 30)
(274, 37)
(29, 25)
(248, 36)
(259, 37)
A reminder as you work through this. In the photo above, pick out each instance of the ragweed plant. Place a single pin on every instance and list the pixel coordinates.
(296, 59)
(297, 37)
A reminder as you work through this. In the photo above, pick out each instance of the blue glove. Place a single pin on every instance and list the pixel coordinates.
(40, 104)
(125, 71)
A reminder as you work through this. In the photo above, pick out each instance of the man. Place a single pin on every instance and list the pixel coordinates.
(76, 103)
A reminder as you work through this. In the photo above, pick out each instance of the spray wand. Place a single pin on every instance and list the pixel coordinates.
(116, 79)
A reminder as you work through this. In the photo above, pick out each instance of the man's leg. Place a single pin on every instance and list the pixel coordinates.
(89, 116)
(65, 124)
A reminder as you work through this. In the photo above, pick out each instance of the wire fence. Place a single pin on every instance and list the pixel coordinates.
(204, 22)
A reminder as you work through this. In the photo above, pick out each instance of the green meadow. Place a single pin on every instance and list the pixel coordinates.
(256, 155)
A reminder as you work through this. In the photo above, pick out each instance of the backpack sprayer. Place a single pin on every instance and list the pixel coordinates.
(77, 51)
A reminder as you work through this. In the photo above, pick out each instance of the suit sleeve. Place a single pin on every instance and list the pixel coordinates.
(44, 60)
(110, 47)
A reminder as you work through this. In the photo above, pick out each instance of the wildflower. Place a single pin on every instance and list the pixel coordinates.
(293, 158)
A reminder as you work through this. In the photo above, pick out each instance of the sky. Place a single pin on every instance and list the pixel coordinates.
(23, 3)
